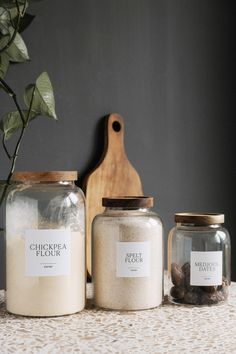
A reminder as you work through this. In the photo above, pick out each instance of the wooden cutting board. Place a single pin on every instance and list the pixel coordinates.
(114, 176)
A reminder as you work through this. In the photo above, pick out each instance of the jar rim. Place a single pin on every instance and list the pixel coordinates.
(128, 201)
(200, 218)
(44, 176)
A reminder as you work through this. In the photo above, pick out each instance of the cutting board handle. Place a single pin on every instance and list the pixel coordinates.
(115, 134)
(113, 176)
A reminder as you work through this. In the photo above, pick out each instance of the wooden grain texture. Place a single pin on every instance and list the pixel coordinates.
(45, 176)
(200, 218)
(114, 176)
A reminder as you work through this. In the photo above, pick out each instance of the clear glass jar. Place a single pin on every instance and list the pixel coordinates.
(45, 244)
(199, 259)
(127, 255)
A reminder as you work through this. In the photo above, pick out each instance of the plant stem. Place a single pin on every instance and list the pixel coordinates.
(12, 94)
(6, 87)
(15, 155)
(5, 148)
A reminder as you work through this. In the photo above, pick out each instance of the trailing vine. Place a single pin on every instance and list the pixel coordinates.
(38, 97)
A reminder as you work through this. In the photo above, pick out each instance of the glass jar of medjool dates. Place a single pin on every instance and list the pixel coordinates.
(199, 259)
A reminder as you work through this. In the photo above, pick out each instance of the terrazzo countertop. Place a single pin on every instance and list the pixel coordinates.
(169, 329)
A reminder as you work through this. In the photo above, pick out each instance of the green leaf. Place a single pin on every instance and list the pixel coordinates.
(4, 40)
(3, 30)
(44, 102)
(4, 27)
(4, 20)
(11, 122)
(4, 64)
(8, 20)
(10, 5)
(17, 52)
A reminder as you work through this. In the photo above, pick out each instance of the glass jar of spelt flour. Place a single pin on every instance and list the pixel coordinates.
(127, 255)
(45, 244)
(199, 259)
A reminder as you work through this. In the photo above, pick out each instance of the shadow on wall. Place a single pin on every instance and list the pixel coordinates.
(97, 150)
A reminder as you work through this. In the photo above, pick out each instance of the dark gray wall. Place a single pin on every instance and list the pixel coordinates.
(167, 66)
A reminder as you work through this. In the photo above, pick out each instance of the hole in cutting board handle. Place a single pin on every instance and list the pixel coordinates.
(116, 126)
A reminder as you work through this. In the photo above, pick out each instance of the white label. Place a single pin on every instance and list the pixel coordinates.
(47, 253)
(133, 259)
(206, 268)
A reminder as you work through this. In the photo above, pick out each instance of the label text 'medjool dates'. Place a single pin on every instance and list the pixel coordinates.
(206, 266)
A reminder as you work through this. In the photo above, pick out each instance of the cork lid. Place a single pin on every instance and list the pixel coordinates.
(200, 218)
(129, 202)
(45, 176)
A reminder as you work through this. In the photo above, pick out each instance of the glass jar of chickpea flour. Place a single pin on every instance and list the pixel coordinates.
(45, 244)
(127, 255)
(199, 259)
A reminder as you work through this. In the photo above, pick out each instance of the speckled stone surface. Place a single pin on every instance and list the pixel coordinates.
(169, 329)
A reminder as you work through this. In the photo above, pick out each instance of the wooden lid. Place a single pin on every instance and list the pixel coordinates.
(47, 176)
(129, 202)
(200, 218)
